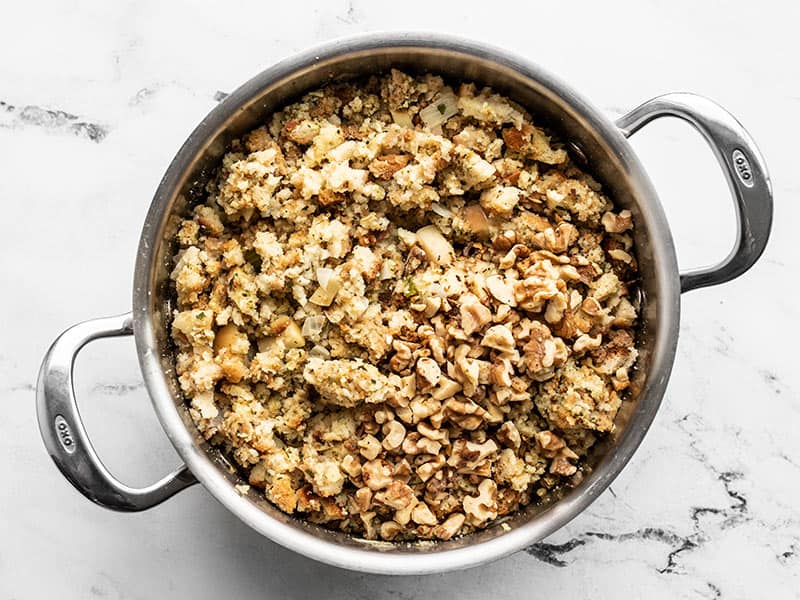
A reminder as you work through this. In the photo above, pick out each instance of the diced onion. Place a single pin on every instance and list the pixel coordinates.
(501, 289)
(476, 220)
(387, 269)
(319, 352)
(402, 118)
(442, 211)
(322, 297)
(292, 336)
(444, 106)
(435, 245)
(324, 276)
(313, 326)
(329, 286)
(409, 238)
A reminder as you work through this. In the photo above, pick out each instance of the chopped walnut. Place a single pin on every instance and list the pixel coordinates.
(474, 315)
(617, 223)
(351, 466)
(402, 356)
(397, 495)
(539, 352)
(394, 434)
(467, 456)
(449, 527)
(549, 441)
(483, 507)
(508, 435)
(426, 470)
(422, 515)
(501, 289)
(500, 338)
(377, 474)
(501, 372)
(415, 443)
(428, 372)
(439, 435)
(465, 413)
(561, 466)
(586, 342)
(369, 447)
(446, 388)
(556, 240)
(363, 499)
(390, 529)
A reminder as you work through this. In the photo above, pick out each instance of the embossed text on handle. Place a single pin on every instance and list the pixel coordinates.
(742, 167)
(64, 434)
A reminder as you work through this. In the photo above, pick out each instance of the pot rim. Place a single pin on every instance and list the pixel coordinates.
(371, 558)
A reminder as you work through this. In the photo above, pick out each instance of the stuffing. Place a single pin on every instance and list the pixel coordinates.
(401, 310)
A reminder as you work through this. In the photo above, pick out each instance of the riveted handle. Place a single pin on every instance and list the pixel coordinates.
(65, 436)
(744, 169)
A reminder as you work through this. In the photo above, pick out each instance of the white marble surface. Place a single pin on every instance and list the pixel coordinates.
(96, 97)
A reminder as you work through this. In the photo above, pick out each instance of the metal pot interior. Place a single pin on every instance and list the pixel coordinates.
(604, 153)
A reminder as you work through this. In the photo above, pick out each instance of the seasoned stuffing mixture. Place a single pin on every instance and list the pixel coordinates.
(402, 310)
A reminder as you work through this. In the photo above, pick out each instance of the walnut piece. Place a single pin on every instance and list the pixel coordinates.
(428, 372)
(500, 338)
(617, 223)
(483, 507)
(377, 474)
(474, 315)
(393, 435)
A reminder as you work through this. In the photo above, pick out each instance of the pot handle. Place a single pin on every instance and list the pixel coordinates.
(744, 169)
(65, 436)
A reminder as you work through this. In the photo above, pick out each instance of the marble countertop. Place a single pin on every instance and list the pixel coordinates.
(96, 97)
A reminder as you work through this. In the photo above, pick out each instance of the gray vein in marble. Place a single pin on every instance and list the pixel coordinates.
(54, 120)
(789, 555)
(108, 587)
(142, 95)
(349, 17)
(789, 460)
(724, 341)
(116, 389)
(108, 389)
(145, 94)
(22, 387)
(551, 553)
(774, 261)
(730, 516)
(772, 380)
(717, 593)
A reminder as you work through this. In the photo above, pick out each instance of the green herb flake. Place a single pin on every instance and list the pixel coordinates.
(441, 108)
(200, 316)
(411, 289)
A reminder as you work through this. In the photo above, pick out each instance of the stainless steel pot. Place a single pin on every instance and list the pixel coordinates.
(603, 146)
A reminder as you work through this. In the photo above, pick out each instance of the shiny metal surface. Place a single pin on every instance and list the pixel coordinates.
(607, 155)
(744, 169)
(65, 436)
